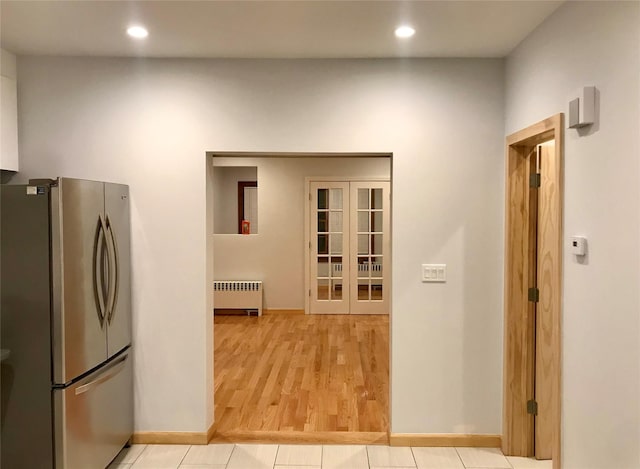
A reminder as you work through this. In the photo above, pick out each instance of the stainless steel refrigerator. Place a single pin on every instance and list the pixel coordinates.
(66, 376)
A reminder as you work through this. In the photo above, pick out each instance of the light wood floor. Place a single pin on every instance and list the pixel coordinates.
(301, 373)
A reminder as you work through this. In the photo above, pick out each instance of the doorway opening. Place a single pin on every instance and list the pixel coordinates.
(247, 207)
(533, 291)
(287, 376)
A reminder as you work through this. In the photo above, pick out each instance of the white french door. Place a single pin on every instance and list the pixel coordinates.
(369, 247)
(349, 247)
(329, 242)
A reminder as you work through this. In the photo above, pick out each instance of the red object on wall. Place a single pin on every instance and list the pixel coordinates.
(246, 227)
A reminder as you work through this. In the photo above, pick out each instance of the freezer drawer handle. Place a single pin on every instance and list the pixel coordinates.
(114, 271)
(98, 274)
(117, 368)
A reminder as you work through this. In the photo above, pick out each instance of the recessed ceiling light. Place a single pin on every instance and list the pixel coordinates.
(405, 31)
(139, 32)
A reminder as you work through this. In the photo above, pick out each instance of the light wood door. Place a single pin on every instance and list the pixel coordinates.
(369, 245)
(547, 234)
(329, 248)
(533, 300)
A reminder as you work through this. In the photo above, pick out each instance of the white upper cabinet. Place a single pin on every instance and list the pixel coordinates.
(8, 113)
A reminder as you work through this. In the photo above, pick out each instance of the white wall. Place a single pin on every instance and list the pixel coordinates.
(148, 123)
(593, 43)
(276, 254)
(225, 182)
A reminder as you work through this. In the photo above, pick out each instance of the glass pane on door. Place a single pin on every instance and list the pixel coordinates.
(363, 244)
(323, 289)
(363, 290)
(336, 199)
(323, 198)
(336, 289)
(376, 199)
(363, 199)
(323, 267)
(363, 221)
(376, 244)
(363, 267)
(335, 221)
(323, 226)
(376, 222)
(336, 267)
(376, 267)
(323, 244)
(336, 243)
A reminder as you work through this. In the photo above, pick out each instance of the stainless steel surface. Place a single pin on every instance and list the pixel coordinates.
(57, 281)
(83, 342)
(25, 329)
(98, 269)
(119, 320)
(114, 268)
(106, 376)
(96, 423)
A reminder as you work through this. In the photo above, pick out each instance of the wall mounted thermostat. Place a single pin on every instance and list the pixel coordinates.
(578, 245)
(583, 108)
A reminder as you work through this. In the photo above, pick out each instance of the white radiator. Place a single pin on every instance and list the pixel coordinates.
(238, 294)
(374, 267)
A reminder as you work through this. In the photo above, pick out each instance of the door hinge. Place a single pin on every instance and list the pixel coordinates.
(532, 407)
(309, 195)
(309, 244)
(534, 295)
(535, 180)
(309, 293)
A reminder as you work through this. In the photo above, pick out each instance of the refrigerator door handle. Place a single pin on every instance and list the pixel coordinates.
(116, 368)
(98, 270)
(114, 271)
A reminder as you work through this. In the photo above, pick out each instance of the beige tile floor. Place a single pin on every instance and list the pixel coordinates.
(254, 456)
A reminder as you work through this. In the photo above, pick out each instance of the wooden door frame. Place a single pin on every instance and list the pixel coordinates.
(519, 345)
(307, 227)
(241, 186)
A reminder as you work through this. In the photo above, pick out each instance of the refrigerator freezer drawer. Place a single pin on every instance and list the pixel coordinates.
(94, 417)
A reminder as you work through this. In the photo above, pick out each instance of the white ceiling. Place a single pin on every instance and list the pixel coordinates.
(269, 29)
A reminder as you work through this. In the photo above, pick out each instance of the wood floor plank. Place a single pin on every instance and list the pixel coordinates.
(298, 374)
(305, 437)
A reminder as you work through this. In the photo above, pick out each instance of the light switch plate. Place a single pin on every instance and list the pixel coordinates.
(434, 272)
